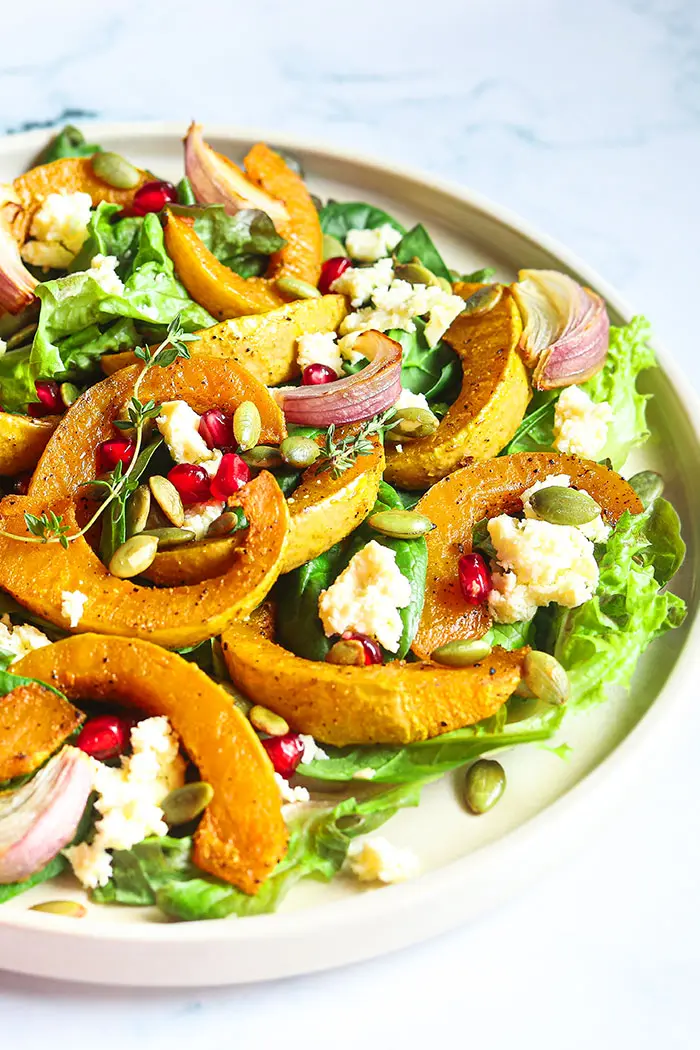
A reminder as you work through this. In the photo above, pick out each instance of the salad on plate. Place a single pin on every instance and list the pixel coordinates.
(296, 519)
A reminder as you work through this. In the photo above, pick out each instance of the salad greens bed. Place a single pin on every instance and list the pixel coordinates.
(598, 642)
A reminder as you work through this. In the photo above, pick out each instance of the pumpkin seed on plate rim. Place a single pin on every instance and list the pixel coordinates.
(69, 909)
(168, 499)
(115, 170)
(135, 555)
(484, 785)
(401, 524)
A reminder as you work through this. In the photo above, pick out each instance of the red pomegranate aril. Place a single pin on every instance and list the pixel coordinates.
(117, 450)
(474, 578)
(373, 652)
(105, 736)
(50, 402)
(285, 753)
(331, 270)
(216, 428)
(153, 196)
(192, 482)
(232, 475)
(315, 375)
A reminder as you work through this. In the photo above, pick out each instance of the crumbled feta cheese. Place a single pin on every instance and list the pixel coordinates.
(212, 464)
(179, 425)
(364, 774)
(129, 799)
(312, 752)
(21, 639)
(3, 347)
(361, 282)
(58, 230)
(72, 606)
(103, 270)
(346, 346)
(378, 860)
(289, 793)
(595, 530)
(367, 596)
(407, 399)
(199, 516)
(580, 425)
(319, 348)
(368, 246)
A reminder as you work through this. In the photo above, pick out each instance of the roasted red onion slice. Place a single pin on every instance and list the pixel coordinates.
(565, 328)
(356, 397)
(16, 283)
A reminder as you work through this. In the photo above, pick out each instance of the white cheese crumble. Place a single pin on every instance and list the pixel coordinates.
(364, 774)
(312, 752)
(3, 347)
(199, 516)
(129, 799)
(21, 639)
(73, 606)
(367, 596)
(595, 530)
(378, 860)
(360, 283)
(103, 270)
(319, 348)
(58, 230)
(580, 425)
(367, 246)
(407, 399)
(289, 793)
(179, 425)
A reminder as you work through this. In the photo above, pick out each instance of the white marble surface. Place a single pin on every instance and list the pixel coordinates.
(585, 118)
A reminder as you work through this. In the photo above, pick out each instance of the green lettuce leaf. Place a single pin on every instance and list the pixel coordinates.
(52, 870)
(109, 235)
(338, 217)
(418, 244)
(244, 242)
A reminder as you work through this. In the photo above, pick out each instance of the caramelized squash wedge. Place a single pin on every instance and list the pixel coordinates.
(484, 490)
(395, 703)
(34, 722)
(265, 344)
(35, 574)
(22, 440)
(242, 835)
(492, 402)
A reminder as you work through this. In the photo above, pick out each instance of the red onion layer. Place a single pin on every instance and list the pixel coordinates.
(16, 283)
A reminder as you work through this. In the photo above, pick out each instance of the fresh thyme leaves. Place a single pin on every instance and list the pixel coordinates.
(48, 527)
(137, 413)
(173, 346)
(339, 456)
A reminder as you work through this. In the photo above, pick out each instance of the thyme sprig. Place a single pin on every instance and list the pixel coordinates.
(339, 455)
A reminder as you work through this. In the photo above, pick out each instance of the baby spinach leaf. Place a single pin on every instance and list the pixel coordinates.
(337, 218)
(418, 244)
(299, 628)
(536, 431)
(69, 142)
(435, 372)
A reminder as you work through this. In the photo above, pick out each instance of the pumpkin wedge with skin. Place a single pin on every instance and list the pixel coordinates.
(34, 722)
(22, 440)
(36, 574)
(492, 402)
(484, 490)
(265, 344)
(242, 835)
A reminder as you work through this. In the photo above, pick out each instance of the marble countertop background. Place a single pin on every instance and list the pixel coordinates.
(584, 118)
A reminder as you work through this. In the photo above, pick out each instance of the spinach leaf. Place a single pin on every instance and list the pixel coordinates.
(69, 142)
(338, 217)
(536, 431)
(243, 242)
(138, 873)
(54, 868)
(299, 628)
(185, 193)
(435, 372)
(418, 244)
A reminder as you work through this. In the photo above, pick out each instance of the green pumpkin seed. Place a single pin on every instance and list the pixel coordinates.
(115, 170)
(247, 425)
(167, 538)
(185, 803)
(70, 909)
(168, 499)
(333, 248)
(299, 452)
(348, 652)
(69, 393)
(647, 484)
(294, 288)
(415, 273)
(263, 457)
(267, 721)
(134, 556)
(564, 506)
(464, 652)
(546, 677)
(443, 283)
(409, 423)
(484, 785)
(227, 523)
(520, 707)
(401, 524)
(22, 336)
(138, 507)
(483, 300)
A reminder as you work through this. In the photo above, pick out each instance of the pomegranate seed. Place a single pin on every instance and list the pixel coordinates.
(117, 450)
(50, 402)
(104, 737)
(373, 652)
(153, 196)
(232, 475)
(21, 484)
(216, 429)
(474, 578)
(285, 753)
(314, 375)
(331, 270)
(192, 482)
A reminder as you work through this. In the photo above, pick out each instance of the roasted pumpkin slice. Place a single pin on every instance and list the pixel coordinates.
(265, 344)
(35, 574)
(492, 402)
(484, 490)
(34, 722)
(395, 703)
(22, 440)
(205, 382)
(211, 284)
(242, 835)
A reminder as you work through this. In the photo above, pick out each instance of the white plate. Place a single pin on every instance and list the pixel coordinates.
(551, 805)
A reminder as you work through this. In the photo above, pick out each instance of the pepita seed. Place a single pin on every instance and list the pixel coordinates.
(167, 538)
(294, 288)
(70, 909)
(134, 556)
(409, 423)
(185, 803)
(348, 652)
(647, 484)
(401, 524)
(483, 300)
(443, 283)
(332, 247)
(299, 452)
(69, 393)
(224, 525)
(463, 652)
(564, 506)
(415, 273)
(138, 507)
(484, 785)
(519, 707)
(247, 425)
(115, 170)
(22, 336)
(263, 457)
(267, 721)
(168, 499)
(546, 677)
